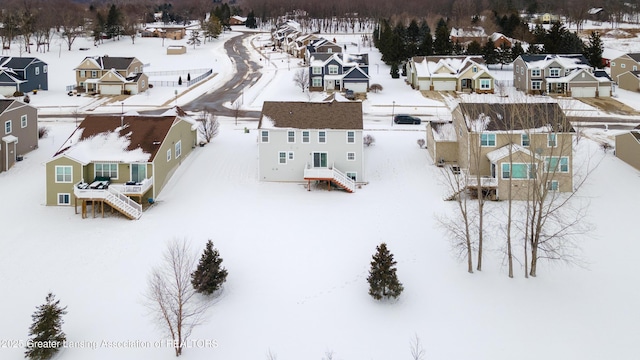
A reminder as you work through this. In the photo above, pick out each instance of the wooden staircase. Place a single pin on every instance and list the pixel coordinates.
(123, 204)
(332, 175)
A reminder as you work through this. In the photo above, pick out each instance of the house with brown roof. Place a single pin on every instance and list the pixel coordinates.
(19, 133)
(628, 147)
(111, 75)
(312, 141)
(525, 147)
(119, 160)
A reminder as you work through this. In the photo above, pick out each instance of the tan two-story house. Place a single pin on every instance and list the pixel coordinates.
(111, 75)
(19, 133)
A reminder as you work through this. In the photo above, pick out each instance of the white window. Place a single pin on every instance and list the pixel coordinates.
(169, 155)
(552, 140)
(64, 199)
(83, 73)
(142, 84)
(264, 136)
(94, 73)
(290, 155)
(553, 185)
(525, 140)
(623, 65)
(45, 68)
(351, 156)
(37, 70)
(7, 127)
(352, 175)
(613, 63)
(556, 164)
(178, 149)
(305, 136)
(535, 72)
(23, 121)
(351, 137)
(518, 171)
(282, 157)
(64, 174)
(517, 69)
(536, 85)
(291, 136)
(487, 139)
(333, 69)
(108, 170)
(554, 72)
(635, 68)
(522, 70)
(474, 69)
(316, 70)
(485, 84)
(322, 136)
(316, 82)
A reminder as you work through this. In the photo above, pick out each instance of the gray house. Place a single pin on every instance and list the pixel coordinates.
(19, 133)
(312, 141)
(23, 74)
(335, 72)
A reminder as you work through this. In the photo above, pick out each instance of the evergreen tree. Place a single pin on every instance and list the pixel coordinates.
(504, 55)
(383, 281)
(209, 275)
(593, 50)
(114, 22)
(571, 44)
(251, 20)
(395, 72)
(517, 50)
(489, 52)
(194, 38)
(474, 48)
(553, 39)
(425, 47)
(442, 44)
(46, 328)
(413, 39)
(179, 80)
(212, 27)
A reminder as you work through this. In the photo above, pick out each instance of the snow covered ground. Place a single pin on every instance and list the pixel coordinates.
(298, 260)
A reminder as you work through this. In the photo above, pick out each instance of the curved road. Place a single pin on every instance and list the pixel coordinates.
(246, 74)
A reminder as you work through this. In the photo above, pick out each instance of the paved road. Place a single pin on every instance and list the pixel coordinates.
(247, 73)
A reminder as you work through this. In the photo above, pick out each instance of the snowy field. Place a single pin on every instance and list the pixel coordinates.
(298, 260)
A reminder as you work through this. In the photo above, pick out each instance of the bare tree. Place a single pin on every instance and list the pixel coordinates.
(417, 351)
(209, 126)
(172, 298)
(301, 79)
(71, 21)
(271, 355)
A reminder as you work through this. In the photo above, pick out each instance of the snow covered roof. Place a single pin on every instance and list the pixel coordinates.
(504, 151)
(594, 11)
(121, 138)
(444, 131)
(430, 65)
(498, 117)
(568, 61)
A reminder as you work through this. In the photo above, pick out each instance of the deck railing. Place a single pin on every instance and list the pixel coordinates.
(136, 189)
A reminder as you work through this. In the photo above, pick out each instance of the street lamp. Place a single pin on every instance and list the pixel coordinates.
(393, 112)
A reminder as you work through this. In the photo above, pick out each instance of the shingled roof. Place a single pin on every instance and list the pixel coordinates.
(345, 115)
(142, 132)
(516, 116)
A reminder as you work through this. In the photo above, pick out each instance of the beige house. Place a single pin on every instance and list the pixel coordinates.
(119, 160)
(628, 147)
(629, 80)
(108, 75)
(623, 64)
(312, 141)
(19, 133)
(519, 145)
(450, 73)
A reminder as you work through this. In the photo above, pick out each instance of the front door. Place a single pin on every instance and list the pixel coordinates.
(138, 172)
(319, 159)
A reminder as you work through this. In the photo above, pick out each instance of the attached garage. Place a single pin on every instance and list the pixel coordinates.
(110, 89)
(7, 90)
(357, 87)
(424, 84)
(583, 91)
(444, 85)
(604, 90)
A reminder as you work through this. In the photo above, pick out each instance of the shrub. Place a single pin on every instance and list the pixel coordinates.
(18, 93)
(421, 143)
(375, 88)
(368, 140)
(43, 131)
(26, 99)
(150, 86)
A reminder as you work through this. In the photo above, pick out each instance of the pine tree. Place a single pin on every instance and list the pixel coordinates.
(383, 281)
(209, 275)
(179, 80)
(251, 20)
(46, 328)
(194, 38)
(593, 50)
(395, 72)
(442, 44)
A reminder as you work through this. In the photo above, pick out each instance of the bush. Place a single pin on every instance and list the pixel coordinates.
(150, 86)
(375, 88)
(18, 93)
(421, 143)
(43, 131)
(26, 99)
(395, 74)
(368, 140)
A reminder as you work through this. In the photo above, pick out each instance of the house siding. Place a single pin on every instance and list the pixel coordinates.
(27, 137)
(53, 188)
(180, 131)
(617, 66)
(336, 147)
(628, 149)
(628, 81)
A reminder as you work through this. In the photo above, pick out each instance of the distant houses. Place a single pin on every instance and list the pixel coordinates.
(111, 75)
(19, 134)
(22, 74)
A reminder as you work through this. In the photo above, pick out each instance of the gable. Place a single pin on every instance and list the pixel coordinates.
(356, 73)
(89, 64)
(112, 76)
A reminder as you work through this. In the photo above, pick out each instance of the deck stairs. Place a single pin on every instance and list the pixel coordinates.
(330, 174)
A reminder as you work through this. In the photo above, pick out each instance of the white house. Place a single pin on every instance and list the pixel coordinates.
(312, 141)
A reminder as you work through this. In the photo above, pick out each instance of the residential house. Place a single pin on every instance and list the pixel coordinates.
(570, 75)
(117, 159)
(312, 141)
(450, 73)
(623, 64)
(530, 144)
(19, 133)
(237, 20)
(598, 15)
(22, 74)
(299, 47)
(111, 75)
(279, 35)
(339, 71)
(608, 54)
(321, 45)
(500, 40)
(547, 18)
(629, 80)
(173, 32)
(628, 147)
(469, 34)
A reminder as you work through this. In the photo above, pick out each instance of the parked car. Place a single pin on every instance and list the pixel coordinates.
(407, 119)
(349, 94)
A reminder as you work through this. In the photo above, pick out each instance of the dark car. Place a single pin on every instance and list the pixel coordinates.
(349, 94)
(406, 119)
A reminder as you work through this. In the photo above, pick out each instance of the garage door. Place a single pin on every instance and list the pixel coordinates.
(444, 85)
(7, 90)
(424, 85)
(604, 91)
(110, 89)
(583, 92)
(357, 87)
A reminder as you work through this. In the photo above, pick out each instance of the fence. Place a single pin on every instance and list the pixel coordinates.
(181, 72)
(176, 72)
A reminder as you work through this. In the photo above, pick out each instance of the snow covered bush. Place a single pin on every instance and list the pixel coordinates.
(368, 140)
